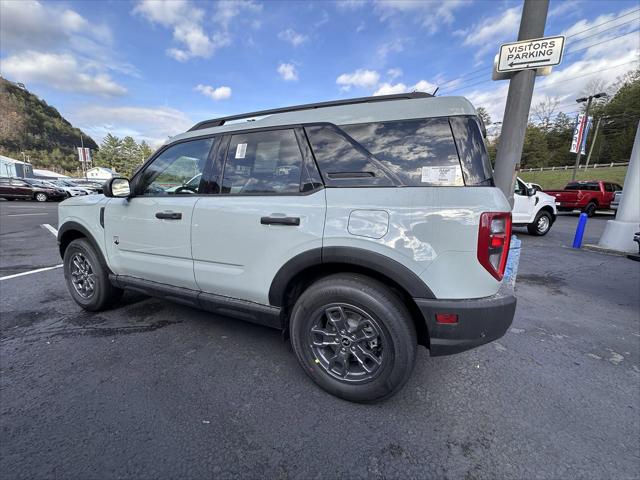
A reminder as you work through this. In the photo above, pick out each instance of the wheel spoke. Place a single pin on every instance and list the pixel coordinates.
(362, 355)
(342, 360)
(328, 338)
(338, 318)
(363, 335)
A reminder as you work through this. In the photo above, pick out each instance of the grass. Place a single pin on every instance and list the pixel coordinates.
(557, 179)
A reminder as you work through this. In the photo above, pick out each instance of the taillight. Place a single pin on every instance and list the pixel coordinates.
(494, 237)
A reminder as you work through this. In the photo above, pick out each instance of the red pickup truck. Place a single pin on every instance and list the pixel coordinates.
(587, 196)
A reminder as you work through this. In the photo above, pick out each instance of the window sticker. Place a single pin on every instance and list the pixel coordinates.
(241, 150)
(443, 175)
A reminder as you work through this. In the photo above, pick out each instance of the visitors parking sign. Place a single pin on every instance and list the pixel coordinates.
(527, 54)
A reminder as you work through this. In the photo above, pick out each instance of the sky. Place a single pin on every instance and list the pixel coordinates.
(152, 69)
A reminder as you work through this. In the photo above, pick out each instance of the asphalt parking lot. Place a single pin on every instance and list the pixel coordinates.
(157, 390)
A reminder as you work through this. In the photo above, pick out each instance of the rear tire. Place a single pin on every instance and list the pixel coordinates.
(354, 337)
(541, 225)
(41, 197)
(87, 277)
(590, 209)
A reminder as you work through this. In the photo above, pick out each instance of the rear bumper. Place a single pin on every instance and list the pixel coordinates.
(480, 321)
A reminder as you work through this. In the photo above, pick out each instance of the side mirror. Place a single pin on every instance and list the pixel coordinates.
(117, 187)
(531, 191)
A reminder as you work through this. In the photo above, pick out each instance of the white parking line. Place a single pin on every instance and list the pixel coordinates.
(23, 214)
(54, 231)
(8, 277)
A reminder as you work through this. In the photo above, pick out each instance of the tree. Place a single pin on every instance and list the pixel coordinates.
(544, 111)
(484, 115)
(535, 152)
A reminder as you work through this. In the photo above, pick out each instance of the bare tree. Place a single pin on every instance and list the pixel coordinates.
(544, 112)
(593, 86)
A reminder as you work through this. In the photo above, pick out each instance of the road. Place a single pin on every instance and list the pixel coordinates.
(156, 390)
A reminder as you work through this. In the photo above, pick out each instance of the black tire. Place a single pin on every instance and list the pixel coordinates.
(103, 292)
(541, 224)
(378, 311)
(590, 209)
(40, 197)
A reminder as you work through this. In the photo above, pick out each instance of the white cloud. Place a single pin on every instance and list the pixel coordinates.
(294, 38)
(394, 46)
(489, 32)
(61, 71)
(188, 32)
(220, 93)
(430, 15)
(153, 125)
(29, 25)
(227, 10)
(359, 78)
(287, 72)
(390, 89)
(394, 73)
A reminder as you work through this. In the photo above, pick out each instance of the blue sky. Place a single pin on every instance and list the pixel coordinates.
(151, 69)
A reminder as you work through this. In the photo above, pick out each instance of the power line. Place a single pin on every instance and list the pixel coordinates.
(585, 74)
(598, 43)
(604, 23)
(459, 87)
(605, 30)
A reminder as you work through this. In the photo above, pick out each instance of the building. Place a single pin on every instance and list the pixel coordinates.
(100, 173)
(47, 174)
(10, 167)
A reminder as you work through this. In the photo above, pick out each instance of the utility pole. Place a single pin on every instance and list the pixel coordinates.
(586, 116)
(516, 112)
(593, 142)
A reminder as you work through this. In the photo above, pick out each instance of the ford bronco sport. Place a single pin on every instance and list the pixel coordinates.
(360, 228)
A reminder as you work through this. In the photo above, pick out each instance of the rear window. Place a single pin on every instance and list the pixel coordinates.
(418, 152)
(473, 154)
(583, 186)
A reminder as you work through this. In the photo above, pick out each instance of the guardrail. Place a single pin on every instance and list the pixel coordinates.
(581, 167)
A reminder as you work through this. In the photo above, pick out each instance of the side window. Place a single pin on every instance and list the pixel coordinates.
(341, 162)
(520, 188)
(177, 170)
(419, 152)
(263, 163)
(608, 187)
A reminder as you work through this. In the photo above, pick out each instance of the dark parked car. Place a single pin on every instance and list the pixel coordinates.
(14, 188)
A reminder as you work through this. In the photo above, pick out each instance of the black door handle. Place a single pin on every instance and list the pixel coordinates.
(169, 215)
(295, 221)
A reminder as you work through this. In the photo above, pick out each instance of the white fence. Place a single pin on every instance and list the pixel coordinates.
(581, 167)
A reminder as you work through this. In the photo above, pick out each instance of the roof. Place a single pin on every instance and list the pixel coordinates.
(11, 160)
(48, 173)
(344, 112)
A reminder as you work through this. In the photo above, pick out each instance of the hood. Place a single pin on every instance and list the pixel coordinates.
(85, 200)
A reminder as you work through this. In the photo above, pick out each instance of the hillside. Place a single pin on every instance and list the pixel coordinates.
(28, 124)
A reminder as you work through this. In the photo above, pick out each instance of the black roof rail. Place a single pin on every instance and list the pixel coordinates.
(217, 122)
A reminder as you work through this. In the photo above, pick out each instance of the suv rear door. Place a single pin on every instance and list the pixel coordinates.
(148, 235)
(266, 206)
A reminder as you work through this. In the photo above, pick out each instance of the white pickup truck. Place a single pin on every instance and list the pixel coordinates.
(534, 209)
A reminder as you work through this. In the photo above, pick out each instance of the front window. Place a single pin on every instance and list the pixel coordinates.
(175, 170)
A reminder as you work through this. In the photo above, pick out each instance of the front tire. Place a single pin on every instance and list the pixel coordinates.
(541, 225)
(41, 197)
(87, 277)
(354, 337)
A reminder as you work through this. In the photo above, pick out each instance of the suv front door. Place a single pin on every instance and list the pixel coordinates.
(148, 235)
(269, 207)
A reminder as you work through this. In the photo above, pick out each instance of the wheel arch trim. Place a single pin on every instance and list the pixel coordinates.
(68, 228)
(358, 257)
